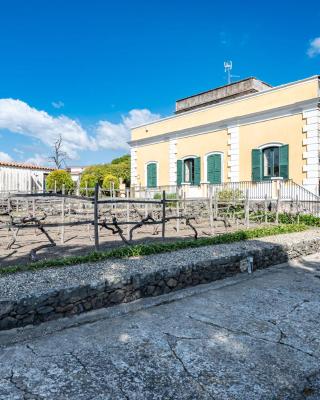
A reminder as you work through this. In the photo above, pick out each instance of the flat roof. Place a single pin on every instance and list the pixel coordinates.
(242, 98)
(224, 86)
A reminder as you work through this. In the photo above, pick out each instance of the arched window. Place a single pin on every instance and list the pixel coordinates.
(270, 161)
(188, 170)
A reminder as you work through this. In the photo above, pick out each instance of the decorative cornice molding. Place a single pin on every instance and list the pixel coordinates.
(278, 112)
(238, 99)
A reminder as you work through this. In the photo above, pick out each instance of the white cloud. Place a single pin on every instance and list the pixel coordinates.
(5, 157)
(314, 47)
(18, 151)
(116, 136)
(57, 104)
(18, 117)
(38, 159)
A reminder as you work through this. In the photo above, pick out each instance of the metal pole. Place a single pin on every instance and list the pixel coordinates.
(163, 214)
(63, 200)
(96, 217)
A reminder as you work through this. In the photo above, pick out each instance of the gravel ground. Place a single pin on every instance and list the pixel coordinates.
(26, 283)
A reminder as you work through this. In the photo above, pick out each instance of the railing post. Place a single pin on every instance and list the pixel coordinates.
(96, 217)
(163, 214)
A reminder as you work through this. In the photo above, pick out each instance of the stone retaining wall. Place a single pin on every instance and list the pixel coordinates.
(54, 304)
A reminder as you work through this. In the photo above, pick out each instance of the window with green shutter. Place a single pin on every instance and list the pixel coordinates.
(189, 171)
(214, 168)
(270, 162)
(152, 175)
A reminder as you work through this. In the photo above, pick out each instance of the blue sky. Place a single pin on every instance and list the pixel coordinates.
(80, 67)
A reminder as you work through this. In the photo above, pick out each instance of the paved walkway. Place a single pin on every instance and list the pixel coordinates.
(249, 337)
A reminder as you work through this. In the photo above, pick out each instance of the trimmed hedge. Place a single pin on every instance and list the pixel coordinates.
(155, 248)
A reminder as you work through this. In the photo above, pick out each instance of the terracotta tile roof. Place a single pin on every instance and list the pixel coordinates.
(24, 165)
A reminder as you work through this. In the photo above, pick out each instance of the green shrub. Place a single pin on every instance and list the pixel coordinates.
(228, 195)
(57, 178)
(108, 180)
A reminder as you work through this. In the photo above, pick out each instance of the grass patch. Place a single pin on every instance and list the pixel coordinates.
(155, 248)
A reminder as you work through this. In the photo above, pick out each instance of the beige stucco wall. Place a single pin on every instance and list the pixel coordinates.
(287, 130)
(156, 152)
(263, 101)
(201, 145)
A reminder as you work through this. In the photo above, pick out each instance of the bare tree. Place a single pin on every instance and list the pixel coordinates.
(59, 156)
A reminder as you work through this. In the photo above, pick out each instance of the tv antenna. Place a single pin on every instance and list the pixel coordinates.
(227, 69)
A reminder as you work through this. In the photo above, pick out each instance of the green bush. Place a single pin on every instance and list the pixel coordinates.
(306, 219)
(57, 178)
(228, 195)
(108, 180)
(118, 168)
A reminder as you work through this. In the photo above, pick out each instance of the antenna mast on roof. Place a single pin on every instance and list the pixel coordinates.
(227, 69)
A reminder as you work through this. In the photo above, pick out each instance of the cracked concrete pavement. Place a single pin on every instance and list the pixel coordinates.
(247, 337)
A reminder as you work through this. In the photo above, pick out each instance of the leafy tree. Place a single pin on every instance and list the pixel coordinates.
(108, 179)
(118, 168)
(123, 159)
(57, 178)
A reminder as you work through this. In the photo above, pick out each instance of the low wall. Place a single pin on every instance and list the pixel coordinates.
(156, 275)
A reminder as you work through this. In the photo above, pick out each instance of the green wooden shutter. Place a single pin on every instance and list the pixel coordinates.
(179, 172)
(256, 160)
(284, 161)
(197, 171)
(152, 175)
(214, 168)
(210, 168)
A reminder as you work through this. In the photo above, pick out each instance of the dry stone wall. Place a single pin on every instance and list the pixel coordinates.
(64, 302)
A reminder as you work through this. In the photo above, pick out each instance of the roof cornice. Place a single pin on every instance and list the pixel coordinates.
(237, 100)
(278, 112)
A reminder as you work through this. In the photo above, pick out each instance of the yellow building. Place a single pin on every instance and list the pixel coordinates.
(245, 131)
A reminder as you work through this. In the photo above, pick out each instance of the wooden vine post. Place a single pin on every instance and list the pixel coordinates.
(96, 217)
(278, 205)
(163, 214)
(63, 203)
(247, 209)
(265, 208)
